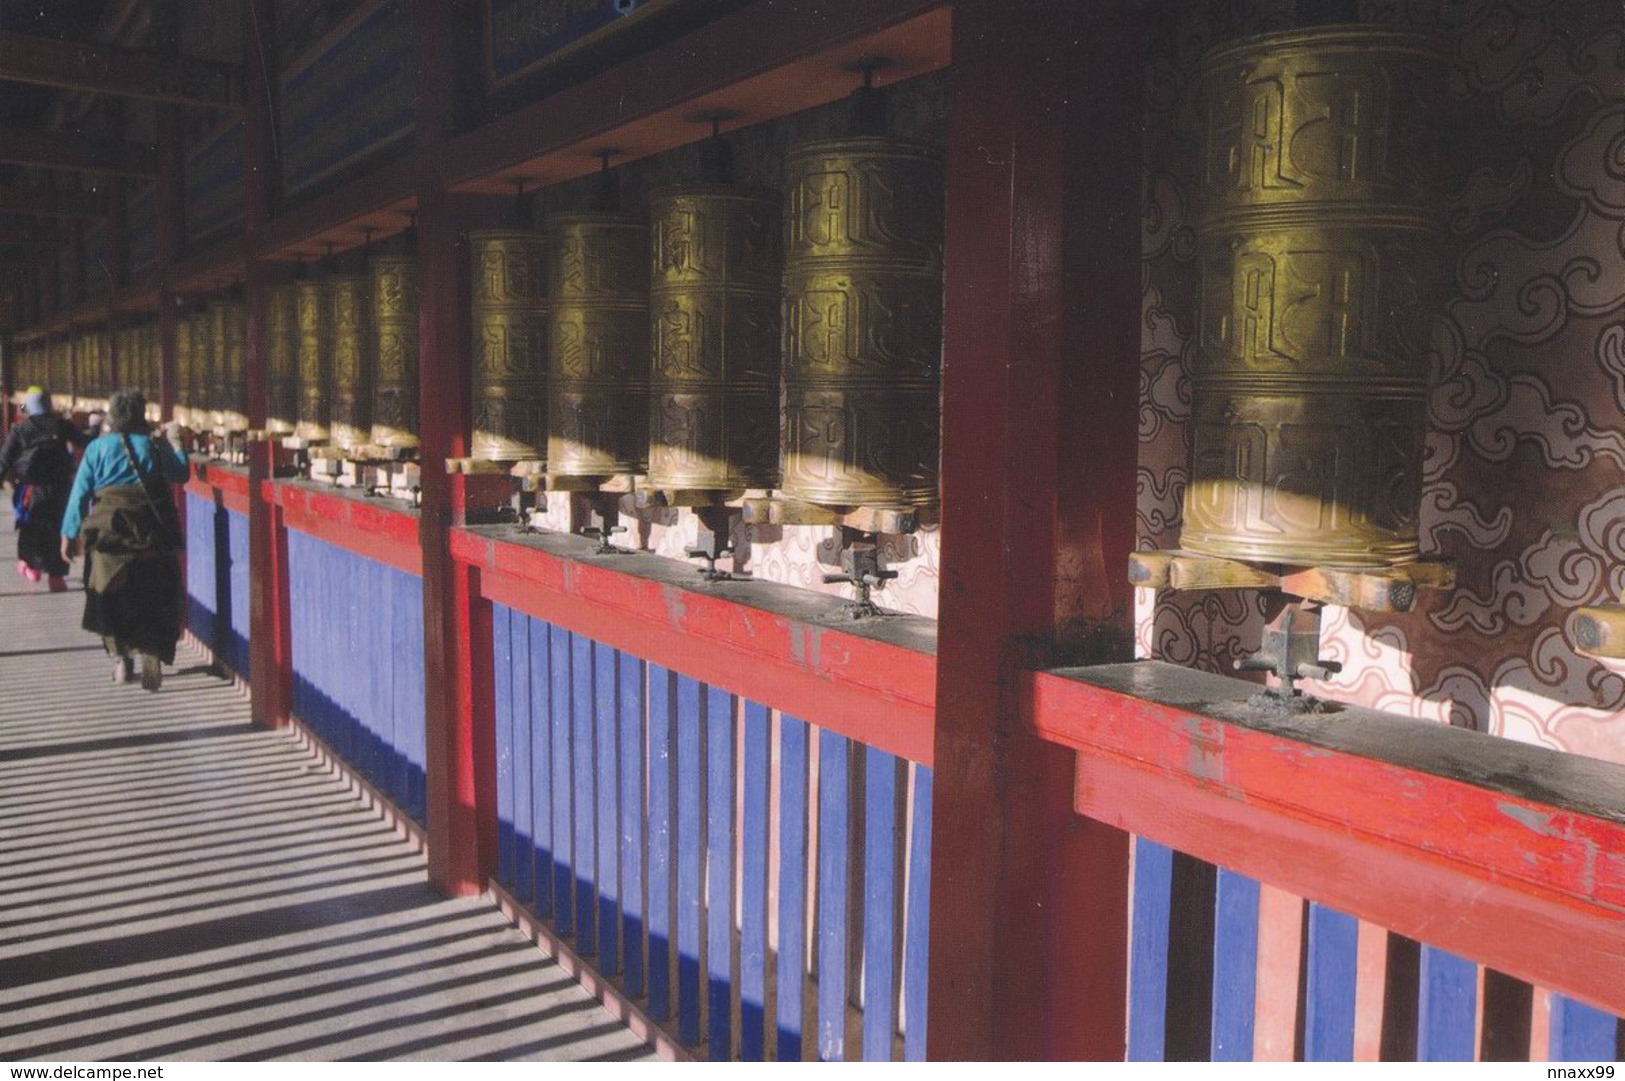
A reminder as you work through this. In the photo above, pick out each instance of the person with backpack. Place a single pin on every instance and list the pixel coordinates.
(132, 540)
(39, 451)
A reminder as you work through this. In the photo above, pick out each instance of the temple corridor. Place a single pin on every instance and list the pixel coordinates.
(176, 884)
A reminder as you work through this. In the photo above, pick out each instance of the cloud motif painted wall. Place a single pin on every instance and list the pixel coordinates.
(1525, 468)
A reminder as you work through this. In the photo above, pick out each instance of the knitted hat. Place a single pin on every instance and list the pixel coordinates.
(36, 402)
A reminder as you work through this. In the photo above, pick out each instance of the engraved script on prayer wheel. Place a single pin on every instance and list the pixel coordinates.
(315, 358)
(510, 345)
(714, 342)
(282, 359)
(349, 417)
(1317, 245)
(863, 224)
(598, 385)
(394, 288)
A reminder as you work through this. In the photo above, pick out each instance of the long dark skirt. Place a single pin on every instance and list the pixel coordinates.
(39, 536)
(140, 612)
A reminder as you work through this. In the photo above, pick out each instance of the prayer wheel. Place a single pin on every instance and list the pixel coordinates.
(349, 416)
(147, 348)
(598, 373)
(88, 379)
(1318, 246)
(714, 341)
(204, 360)
(863, 226)
(185, 381)
(62, 373)
(282, 359)
(234, 380)
(510, 345)
(315, 320)
(394, 289)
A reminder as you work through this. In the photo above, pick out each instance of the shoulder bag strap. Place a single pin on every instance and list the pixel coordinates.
(147, 486)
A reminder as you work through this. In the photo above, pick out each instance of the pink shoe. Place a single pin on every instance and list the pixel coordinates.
(28, 572)
(58, 584)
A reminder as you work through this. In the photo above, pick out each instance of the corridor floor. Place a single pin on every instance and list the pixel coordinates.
(176, 884)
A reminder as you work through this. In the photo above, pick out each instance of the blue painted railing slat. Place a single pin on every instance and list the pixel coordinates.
(1581, 1033)
(1148, 951)
(564, 836)
(917, 938)
(720, 709)
(1447, 1006)
(879, 904)
(662, 819)
(690, 855)
(541, 762)
(834, 824)
(794, 791)
(584, 776)
(524, 841)
(632, 706)
(605, 687)
(1235, 966)
(753, 875)
(1328, 1019)
(502, 701)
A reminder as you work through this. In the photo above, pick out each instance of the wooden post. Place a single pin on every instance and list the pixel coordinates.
(270, 641)
(1029, 902)
(461, 758)
(169, 236)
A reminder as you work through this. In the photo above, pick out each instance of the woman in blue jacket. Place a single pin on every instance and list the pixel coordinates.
(132, 540)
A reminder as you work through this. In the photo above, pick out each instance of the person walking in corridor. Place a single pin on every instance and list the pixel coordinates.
(132, 540)
(39, 449)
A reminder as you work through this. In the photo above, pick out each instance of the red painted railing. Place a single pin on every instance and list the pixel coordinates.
(1486, 851)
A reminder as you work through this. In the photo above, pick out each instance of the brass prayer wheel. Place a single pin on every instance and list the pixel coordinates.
(282, 359)
(863, 226)
(349, 416)
(598, 372)
(394, 288)
(227, 374)
(315, 320)
(203, 377)
(185, 386)
(1318, 244)
(147, 349)
(62, 373)
(510, 308)
(714, 342)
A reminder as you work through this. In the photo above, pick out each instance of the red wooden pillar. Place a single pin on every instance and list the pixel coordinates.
(460, 759)
(1029, 903)
(270, 639)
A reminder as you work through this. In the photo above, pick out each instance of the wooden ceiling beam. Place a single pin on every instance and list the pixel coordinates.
(76, 153)
(45, 203)
(120, 72)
